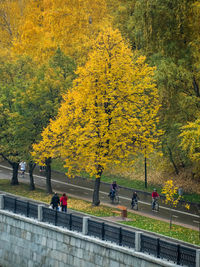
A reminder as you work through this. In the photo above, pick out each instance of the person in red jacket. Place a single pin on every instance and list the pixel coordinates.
(63, 202)
(155, 197)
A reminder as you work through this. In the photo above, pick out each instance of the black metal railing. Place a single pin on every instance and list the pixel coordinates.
(64, 220)
(187, 256)
(168, 251)
(49, 215)
(112, 233)
(96, 229)
(10, 203)
(128, 238)
(76, 223)
(176, 253)
(58, 218)
(157, 247)
(149, 245)
(21, 207)
(32, 210)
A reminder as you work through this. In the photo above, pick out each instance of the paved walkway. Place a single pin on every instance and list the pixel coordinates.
(59, 188)
(119, 218)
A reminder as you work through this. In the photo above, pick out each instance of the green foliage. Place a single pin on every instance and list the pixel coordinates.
(191, 140)
(29, 98)
(167, 32)
(15, 78)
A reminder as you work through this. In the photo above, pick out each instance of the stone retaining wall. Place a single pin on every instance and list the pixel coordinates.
(25, 242)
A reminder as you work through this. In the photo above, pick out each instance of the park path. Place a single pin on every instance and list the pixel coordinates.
(83, 188)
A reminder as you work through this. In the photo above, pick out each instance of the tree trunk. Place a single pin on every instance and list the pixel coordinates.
(196, 87)
(31, 168)
(48, 176)
(145, 172)
(172, 161)
(15, 167)
(96, 200)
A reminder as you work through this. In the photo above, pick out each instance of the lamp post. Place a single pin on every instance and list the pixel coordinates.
(145, 169)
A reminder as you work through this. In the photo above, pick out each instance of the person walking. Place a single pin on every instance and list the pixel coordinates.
(55, 201)
(155, 197)
(22, 167)
(63, 201)
(134, 200)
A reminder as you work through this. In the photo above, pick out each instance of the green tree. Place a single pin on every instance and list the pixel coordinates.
(34, 98)
(190, 141)
(167, 32)
(15, 77)
(109, 114)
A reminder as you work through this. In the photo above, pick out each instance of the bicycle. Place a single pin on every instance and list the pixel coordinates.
(155, 204)
(114, 197)
(134, 204)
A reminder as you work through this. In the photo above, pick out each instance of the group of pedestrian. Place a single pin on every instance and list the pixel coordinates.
(57, 202)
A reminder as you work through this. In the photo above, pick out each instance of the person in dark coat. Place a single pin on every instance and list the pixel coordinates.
(55, 201)
(134, 200)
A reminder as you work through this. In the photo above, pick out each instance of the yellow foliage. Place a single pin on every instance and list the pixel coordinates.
(11, 13)
(109, 114)
(70, 25)
(187, 206)
(170, 191)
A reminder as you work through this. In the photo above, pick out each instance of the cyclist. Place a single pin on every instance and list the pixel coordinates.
(113, 189)
(134, 200)
(155, 197)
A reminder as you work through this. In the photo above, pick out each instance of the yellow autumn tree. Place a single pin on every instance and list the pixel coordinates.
(170, 190)
(109, 114)
(11, 13)
(70, 25)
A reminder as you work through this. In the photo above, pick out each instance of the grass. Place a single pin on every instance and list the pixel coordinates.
(138, 221)
(126, 182)
(178, 232)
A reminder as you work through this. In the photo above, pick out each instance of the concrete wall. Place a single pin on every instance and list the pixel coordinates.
(25, 242)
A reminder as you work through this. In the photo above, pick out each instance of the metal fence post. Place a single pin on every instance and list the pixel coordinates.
(70, 221)
(178, 255)
(27, 209)
(40, 213)
(103, 231)
(1, 202)
(15, 205)
(56, 217)
(120, 236)
(138, 241)
(198, 258)
(158, 247)
(85, 226)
